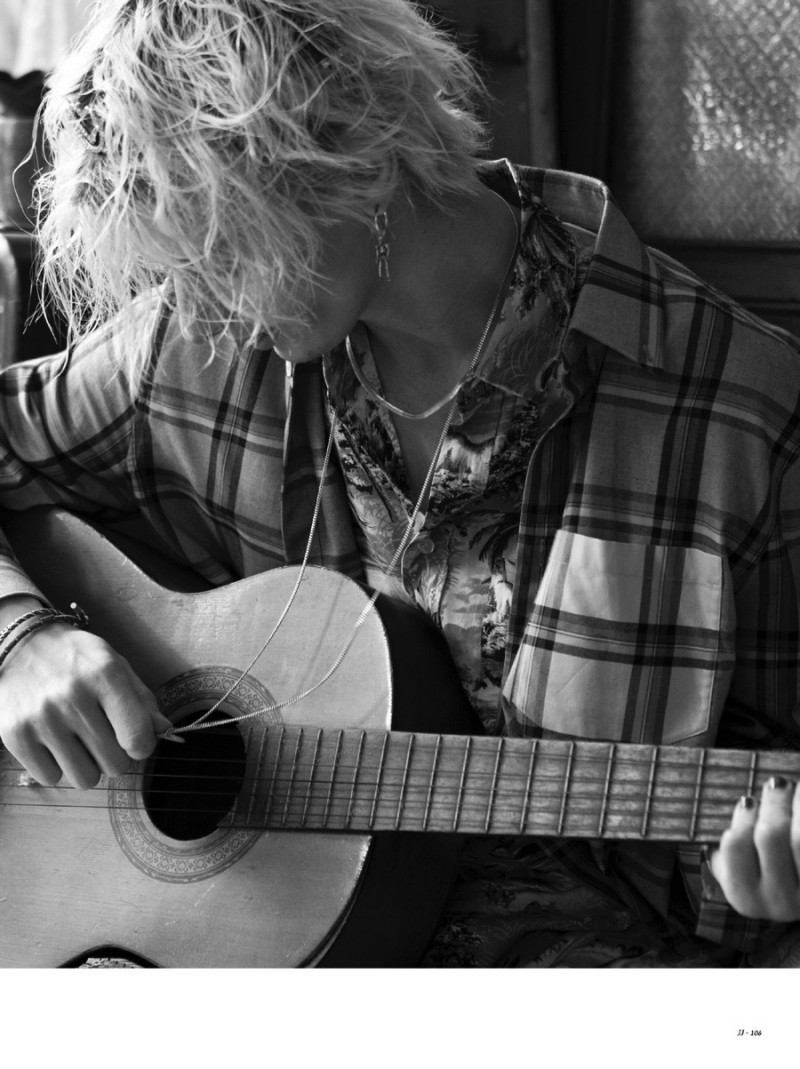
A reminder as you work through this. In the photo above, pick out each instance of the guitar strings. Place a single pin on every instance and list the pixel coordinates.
(347, 768)
(718, 770)
(302, 787)
(297, 806)
(302, 784)
(585, 813)
(667, 759)
(661, 808)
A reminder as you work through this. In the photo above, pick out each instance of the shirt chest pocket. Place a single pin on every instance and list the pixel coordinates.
(629, 643)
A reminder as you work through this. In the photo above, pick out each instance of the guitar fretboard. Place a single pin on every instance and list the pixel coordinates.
(307, 779)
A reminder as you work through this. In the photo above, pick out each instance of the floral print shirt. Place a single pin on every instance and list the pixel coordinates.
(460, 565)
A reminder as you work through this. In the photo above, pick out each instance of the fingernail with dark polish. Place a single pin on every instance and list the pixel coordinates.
(778, 783)
(747, 801)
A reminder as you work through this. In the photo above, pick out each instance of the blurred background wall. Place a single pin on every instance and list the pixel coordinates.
(34, 33)
(688, 109)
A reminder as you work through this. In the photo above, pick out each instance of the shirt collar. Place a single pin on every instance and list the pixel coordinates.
(620, 303)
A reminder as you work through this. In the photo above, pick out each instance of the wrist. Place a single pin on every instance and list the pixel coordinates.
(15, 605)
(34, 619)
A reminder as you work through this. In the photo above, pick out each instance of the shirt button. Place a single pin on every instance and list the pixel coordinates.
(425, 545)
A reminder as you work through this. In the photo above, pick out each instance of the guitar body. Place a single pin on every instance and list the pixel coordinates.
(84, 871)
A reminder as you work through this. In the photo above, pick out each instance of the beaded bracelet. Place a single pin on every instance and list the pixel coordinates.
(38, 618)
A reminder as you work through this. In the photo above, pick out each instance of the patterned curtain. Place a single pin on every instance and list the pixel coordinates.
(706, 119)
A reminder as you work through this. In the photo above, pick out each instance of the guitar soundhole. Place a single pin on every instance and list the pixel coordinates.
(189, 787)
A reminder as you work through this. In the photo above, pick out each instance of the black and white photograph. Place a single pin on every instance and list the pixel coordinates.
(399, 532)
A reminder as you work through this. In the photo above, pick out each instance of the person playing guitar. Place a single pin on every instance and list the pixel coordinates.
(310, 319)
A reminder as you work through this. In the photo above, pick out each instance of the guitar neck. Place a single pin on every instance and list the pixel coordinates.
(396, 781)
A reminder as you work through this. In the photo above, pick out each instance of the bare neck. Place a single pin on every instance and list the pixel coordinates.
(446, 272)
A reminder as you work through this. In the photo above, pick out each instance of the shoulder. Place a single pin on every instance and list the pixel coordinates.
(209, 376)
(693, 308)
(725, 365)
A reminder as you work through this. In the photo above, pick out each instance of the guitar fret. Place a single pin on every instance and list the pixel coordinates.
(649, 797)
(461, 783)
(493, 788)
(334, 766)
(311, 778)
(563, 811)
(751, 783)
(274, 777)
(403, 785)
(309, 785)
(259, 764)
(357, 765)
(601, 824)
(431, 781)
(292, 774)
(698, 787)
(378, 781)
(526, 800)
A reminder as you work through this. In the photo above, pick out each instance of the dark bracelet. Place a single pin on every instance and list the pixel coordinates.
(43, 610)
(40, 618)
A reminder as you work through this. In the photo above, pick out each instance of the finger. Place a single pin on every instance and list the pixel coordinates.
(79, 722)
(130, 709)
(794, 832)
(97, 736)
(772, 837)
(37, 761)
(160, 722)
(736, 863)
(54, 743)
(77, 764)
(49, 749)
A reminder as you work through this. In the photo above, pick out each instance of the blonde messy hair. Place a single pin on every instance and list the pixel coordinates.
(229, 134)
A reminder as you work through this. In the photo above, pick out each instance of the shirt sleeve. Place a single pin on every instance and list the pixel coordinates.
(764, 700)
(717, 921)
(67, 428)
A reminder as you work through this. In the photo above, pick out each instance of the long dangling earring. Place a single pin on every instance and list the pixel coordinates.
(381, 225)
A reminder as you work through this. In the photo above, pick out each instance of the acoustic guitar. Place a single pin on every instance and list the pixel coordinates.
(295, 833)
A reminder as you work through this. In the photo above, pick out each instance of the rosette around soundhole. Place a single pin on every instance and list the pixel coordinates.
(205, 786)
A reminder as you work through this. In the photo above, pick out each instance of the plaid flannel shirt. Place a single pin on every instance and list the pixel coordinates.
(657, 583)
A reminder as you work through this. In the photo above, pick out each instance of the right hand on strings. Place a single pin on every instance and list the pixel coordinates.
(72, 708)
